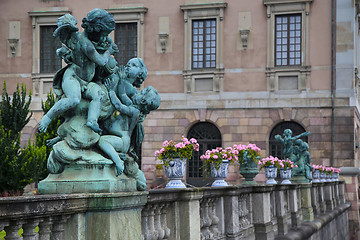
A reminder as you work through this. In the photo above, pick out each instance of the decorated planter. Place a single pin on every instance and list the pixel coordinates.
(270, 174)
(249, 170)
(220, 174)
(328, 177)
(335, 177)
(322, 177)
(285, 175)
(175, 171)
(316, 176)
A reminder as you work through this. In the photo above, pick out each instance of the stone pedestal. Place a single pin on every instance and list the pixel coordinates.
(299, 179)
(85, 177)
(109, 216)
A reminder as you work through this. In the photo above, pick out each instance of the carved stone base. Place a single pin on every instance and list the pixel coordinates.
(83, 177)
(299, 179)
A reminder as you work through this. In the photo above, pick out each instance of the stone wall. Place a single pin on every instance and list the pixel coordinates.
(254, 126)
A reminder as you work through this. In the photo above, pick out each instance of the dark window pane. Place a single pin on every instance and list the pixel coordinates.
(288, 40)
(49, 61)
(204, 43)
(208, 137)
(126, 40)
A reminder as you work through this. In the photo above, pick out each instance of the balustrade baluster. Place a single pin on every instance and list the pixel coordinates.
(164, 221)
(57, 232)
(157, 224)
(12, 230)
(214, 219)
(45, 228)
(152, 231)
(29, 229)
(145, 223)
(3, 224)
(202, 219)
(205, 231)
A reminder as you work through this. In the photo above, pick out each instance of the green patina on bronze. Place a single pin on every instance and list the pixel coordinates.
(92, 88)
(297, 151)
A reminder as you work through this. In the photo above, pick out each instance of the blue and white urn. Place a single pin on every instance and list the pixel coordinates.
(175, 172)
(285, 175)
(270, 174)
(322, 177)
(220, 174)
(316, 176)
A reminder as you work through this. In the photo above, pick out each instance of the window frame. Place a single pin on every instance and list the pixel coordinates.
(275, 8)
(288, 41)
(204, 44)
(131, 15)
(202, 12)
(44, 17)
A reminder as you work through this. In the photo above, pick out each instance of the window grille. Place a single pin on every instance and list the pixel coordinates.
(126, 40)
(208, 137)
(204, 43)
(49, 61)
(288, 40)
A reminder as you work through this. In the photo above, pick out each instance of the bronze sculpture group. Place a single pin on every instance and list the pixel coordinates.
(297, 151)
(100, 101)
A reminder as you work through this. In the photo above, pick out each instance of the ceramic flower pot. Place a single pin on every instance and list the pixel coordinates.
(328, 177)
(285, 175)
(219, 174)
(335, 177)
(316, 176)
(175, 172)
(322, 177)
(270, 174)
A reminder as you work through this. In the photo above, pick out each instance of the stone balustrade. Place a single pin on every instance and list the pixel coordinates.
(297, 211)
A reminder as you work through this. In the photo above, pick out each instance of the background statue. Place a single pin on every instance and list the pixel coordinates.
(296, 150)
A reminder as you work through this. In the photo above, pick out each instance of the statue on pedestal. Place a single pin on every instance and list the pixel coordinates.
(102, 107)
(297, 151)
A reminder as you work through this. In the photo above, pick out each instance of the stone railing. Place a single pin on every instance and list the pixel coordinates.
(248, 212)
(234, 212)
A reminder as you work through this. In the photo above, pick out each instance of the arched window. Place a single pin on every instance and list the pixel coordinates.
(276, 148)
(208, 137)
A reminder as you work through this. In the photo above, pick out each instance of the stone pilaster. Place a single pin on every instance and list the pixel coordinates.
(282, 208)
(189, 206)
(306, 206)
(295, 207)
(262, 214)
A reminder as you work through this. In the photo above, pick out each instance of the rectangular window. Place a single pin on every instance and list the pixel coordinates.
(49, 61)
(126, 40)
(204, 43)
(288, 40)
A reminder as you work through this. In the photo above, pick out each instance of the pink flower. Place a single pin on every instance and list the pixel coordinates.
(215, 157)
(157, 153)
(162, 150)
(165, 143)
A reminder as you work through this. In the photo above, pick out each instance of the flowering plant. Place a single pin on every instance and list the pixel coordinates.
(286, 164)
(170, 150)
(251, 151)
(217, 156)
(269, 161)
(321, 168)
